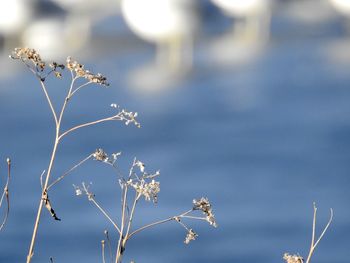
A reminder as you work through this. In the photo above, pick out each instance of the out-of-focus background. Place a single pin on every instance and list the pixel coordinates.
(245, 102)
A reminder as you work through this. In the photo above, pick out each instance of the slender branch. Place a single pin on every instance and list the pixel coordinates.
(41, 180)
(78, 88)
(69, 171)
(104, 213)
(313, 243)
(137, 196)
(109, 246)
(157, 223)
(121, 236)
(112, 118)
(103, 251)
(49, 101)
(325, 228)
(195, 217)
(6, 194)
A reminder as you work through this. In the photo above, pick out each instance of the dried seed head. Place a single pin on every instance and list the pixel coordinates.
(293, 258)
(80, 71)
(191, 235)
(100, 155)
(204, 205)
(30, 54)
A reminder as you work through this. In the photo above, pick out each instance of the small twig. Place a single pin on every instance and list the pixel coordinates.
(6, 194)
(69, 171)
(313, 243)
(109, 245)
(41, 180)
(112, 118)
(78, 88)
(157, 223)
(137, 197)
(92, 199)
(103, 251)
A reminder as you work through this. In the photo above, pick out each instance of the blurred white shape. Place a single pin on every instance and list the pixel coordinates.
(14, 15)
(342, 6)
(253, 17)
(168, 23)
(54, 37)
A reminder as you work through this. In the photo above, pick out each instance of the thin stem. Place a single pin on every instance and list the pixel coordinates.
(325, 229)
(137, 196)
(313, 243)
(49, 101)
(112, 118)
(78, 88)
(103, 251)
(104, 213)
(120, 248)
(6, 193)
(157, 223)
(69, 171)
(109, 246)
(53, 156)
(195, 217)
(41, 203)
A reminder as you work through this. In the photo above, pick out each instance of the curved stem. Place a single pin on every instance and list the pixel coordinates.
(78, 88)
(6, 193)
(52, 160)
(49, 101)
(112, 118)
(157, 223)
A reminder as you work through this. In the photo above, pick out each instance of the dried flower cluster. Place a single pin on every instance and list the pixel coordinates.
(79, 71)
(144, 183)
(30, 54)
(191, 235)
(293, 258)
(126, 116)
(204, 205)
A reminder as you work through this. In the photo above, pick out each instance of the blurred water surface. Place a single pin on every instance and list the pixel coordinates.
(262, 140)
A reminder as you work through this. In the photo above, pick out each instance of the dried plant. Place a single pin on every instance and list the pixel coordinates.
(6, 195)
(77, 71)
(141, 183)
(297, 258)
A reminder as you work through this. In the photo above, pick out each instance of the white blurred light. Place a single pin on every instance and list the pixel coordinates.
(158, 20)
(54, 37)
(14, 14)
(342, 6)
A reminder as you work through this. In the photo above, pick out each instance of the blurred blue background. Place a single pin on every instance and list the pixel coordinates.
(245, 102)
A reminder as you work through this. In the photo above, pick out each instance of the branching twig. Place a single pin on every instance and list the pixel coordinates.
(69, 171)
(6, 195)
(313, 243)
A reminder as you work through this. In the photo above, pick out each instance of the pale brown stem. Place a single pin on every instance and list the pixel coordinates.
(69, 171)
(105, 213)
(157, 223)
(6, 194)
(121, 241)
(53, 155)
(137, 197)
(49, 101)
(37, 220)
(112, 118)
(313, 243)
